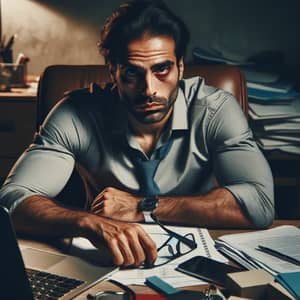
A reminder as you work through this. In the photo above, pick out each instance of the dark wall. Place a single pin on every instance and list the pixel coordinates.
(66, 31)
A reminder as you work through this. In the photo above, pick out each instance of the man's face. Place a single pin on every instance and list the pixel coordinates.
(148, 82)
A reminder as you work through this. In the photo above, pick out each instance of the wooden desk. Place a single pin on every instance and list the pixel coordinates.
(143, 289)
(17, 125)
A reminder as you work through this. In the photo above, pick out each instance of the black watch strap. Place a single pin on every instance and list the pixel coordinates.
(146, 206)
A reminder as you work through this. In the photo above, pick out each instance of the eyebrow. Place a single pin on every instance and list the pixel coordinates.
(167, 63)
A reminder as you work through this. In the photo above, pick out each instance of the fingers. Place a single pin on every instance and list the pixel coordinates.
(149, 247)
(132, 246)
(97, 207)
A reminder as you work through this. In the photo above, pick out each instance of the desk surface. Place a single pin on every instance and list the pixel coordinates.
(28, 93)
(215, 233)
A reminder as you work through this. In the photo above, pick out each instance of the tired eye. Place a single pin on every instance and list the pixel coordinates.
(162, 70)
(131, 72)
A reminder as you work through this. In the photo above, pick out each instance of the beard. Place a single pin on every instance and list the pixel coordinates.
(135, 107)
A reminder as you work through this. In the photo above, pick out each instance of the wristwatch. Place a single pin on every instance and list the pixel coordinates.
(147, 206)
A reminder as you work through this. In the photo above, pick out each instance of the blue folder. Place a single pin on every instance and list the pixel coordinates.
(291, 281)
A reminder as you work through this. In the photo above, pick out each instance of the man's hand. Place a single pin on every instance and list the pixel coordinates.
(117, 204)
(129, 244)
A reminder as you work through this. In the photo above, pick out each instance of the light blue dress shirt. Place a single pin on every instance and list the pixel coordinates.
(211, 143)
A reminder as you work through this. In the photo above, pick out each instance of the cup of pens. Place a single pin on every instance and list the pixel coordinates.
(6, 55)
(12, 76)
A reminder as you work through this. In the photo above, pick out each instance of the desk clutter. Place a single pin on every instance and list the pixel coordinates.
(272, 257)
(274, 100)
(275, 250)
(13, 74)
(258, 285)
(269, 274)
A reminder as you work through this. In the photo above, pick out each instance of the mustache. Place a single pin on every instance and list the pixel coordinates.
(151, 99)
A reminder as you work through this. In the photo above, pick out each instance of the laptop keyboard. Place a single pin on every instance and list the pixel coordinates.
(46, 286)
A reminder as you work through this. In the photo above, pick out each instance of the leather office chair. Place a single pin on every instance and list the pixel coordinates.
(57, 79)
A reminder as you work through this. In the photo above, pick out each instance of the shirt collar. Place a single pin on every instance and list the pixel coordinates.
(179, 118)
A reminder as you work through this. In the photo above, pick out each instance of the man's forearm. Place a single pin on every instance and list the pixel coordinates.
(129, 243)
(38, 215)
(218, 208)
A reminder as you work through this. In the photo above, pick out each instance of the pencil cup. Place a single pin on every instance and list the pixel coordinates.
(12, 75)
(6, 55)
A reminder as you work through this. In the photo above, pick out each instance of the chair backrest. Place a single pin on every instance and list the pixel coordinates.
(57, 79)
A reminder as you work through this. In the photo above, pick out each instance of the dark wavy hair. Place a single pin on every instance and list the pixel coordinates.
(135, 18)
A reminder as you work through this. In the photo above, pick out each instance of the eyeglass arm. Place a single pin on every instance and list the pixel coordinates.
(181, 238)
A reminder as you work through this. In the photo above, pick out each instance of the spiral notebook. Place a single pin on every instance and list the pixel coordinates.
(205, 247)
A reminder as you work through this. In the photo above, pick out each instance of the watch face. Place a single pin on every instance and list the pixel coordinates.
(148, 204)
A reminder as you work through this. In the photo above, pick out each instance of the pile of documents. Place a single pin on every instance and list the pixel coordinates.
(274, 110)
(274, 102)
(275, 250)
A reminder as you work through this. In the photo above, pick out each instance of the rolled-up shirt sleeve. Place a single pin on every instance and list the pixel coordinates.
(239, 165)
(46, 165)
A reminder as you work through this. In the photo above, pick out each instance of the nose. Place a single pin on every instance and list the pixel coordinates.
(149, 85)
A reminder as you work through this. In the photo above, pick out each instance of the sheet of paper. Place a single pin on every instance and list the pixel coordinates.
(244, 247)
(205, 247)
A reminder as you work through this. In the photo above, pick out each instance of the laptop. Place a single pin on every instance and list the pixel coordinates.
(31, 274)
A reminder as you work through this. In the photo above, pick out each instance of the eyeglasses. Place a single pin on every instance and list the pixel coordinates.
(175, 246)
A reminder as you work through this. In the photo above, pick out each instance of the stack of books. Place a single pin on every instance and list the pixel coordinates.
(274, 102)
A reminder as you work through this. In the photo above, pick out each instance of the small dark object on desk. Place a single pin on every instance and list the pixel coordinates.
(207, 269)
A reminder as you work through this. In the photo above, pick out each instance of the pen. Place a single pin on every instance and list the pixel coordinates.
(278, 255)
(10, 42)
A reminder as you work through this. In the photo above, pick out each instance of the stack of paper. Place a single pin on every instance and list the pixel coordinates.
(276, 126)
(247, 248)
(273, 97)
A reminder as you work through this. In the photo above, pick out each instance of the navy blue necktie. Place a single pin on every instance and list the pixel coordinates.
(147, 168)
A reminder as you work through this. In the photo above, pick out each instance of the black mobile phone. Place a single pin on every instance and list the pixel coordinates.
(207, 269)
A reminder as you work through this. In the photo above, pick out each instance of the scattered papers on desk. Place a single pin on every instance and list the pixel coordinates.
(287, 247)
(205, 247)
(243, 248)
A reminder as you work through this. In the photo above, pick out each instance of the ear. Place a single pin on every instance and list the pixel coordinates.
(180, 68)
(112, 72)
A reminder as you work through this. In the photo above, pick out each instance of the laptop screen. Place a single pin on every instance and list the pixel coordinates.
(13, 277)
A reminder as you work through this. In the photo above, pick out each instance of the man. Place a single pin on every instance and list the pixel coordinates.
(149, 143)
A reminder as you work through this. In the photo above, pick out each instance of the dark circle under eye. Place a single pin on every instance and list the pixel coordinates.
(163, 70)
(130, 72)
